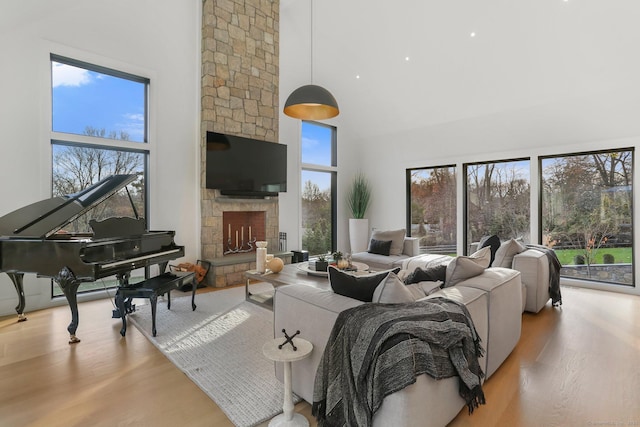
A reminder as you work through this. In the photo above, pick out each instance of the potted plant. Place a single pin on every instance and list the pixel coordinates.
(358, 199)
(320, 264)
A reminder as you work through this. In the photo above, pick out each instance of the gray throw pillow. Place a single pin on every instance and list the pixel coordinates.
(506, 252)
(396, 237)
(393, 290)
(466, 267)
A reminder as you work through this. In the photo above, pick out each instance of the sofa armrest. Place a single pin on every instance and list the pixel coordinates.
(411, 246)
(534, 267)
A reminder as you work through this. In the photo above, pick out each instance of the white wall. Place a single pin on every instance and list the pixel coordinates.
(158, 40)
(540, 78)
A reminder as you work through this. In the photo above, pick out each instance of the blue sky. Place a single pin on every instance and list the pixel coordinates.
(86, 98)
(316, 149)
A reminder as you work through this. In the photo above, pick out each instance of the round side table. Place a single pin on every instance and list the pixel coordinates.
(287, 355)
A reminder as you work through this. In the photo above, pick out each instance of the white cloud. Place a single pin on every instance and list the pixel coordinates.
(66, 75)
(135, 117)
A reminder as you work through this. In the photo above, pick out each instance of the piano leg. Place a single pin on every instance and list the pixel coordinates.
(16, 278)
(69, 285)
(154, 302)
(121, 305)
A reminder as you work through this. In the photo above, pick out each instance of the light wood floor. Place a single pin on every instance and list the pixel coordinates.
(574, 366)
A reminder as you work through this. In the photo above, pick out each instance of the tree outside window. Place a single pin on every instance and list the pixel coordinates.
(587, 201)
(497, 200)
(432, 213)
(318, 198)
(99, 122)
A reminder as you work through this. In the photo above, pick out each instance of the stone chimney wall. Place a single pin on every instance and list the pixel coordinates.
(240, 72)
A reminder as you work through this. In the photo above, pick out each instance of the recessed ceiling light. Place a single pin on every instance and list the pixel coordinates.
(473, 34)
(406, 58)
(357, 76)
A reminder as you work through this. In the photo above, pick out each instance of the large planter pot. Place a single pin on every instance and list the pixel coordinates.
(358, 234)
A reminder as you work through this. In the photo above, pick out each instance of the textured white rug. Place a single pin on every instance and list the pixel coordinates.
(219, 347)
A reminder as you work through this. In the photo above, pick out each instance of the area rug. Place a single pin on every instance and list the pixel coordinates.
(219, 347)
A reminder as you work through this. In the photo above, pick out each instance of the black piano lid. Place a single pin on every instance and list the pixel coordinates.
(42, 219)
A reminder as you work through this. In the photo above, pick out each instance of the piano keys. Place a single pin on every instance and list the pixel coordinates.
(33, 240)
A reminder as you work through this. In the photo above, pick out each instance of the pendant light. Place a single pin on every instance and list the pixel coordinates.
(311, 102)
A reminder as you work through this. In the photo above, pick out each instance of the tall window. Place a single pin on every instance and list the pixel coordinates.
(432, 208)
(586, 214)
(497, 200)
(318, 199)
(99, 119)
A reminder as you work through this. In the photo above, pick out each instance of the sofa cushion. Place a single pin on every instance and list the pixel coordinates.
(425, 261)
(492, 242)
(396, 237)
(380, 247)
(393, 290)
(465, 267)
(506, 252)
(360, 287)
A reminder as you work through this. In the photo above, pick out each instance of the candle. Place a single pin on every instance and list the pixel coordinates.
(229, 231)
(236, 239)
(249, 232)
(242, 235)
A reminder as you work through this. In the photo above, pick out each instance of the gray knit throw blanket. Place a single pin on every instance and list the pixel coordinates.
(377, 349)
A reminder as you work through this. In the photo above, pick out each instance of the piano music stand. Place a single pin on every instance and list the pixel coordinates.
(151, 289)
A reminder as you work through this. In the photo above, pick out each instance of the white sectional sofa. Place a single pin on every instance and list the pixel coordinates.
(493, 299)
(410, 249)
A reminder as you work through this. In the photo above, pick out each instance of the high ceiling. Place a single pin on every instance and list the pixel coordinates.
(411, 64)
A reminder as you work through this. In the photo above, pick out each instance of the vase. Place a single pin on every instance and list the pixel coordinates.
(358, 234)
(261, 257)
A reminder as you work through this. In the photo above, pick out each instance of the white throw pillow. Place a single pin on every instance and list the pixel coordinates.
(506, 252)
(396, 237)
(392, 290)
(465, 267)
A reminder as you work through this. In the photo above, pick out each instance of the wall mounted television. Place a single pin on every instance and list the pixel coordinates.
(245, 167)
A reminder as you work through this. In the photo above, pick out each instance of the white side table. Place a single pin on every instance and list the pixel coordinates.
(287, 355)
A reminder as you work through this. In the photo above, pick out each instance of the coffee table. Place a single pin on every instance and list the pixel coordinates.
(290, 274)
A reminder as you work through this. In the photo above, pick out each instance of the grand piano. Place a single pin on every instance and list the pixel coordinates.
(33, 240)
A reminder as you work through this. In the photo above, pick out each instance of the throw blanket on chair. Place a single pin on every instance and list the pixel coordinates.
(554, 273)
(377, 349)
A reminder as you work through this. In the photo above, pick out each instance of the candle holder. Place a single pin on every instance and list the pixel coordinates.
(261, 256)
(242, 247)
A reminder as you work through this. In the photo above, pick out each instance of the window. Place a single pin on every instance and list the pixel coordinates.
(586, 214)
(318, 177)
(96, 101)
(99, 117)
(497, 200)
(432, 208)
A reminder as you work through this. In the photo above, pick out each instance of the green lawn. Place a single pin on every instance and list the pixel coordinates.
(620, 255)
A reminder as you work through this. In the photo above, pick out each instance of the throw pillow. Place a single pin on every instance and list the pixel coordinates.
(392, 290)
(396, 237)
(423, 289)
(360, 287)
(506, 252)
(493, 242)
(431, 274)
(380, 247)
(465, 267)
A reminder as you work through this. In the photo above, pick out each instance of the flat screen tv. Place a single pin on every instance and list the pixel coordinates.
(245, 167)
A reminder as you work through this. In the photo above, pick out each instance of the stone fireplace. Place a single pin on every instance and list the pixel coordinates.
(240, 55)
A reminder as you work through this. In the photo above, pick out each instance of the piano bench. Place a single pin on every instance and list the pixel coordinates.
(151, 289)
